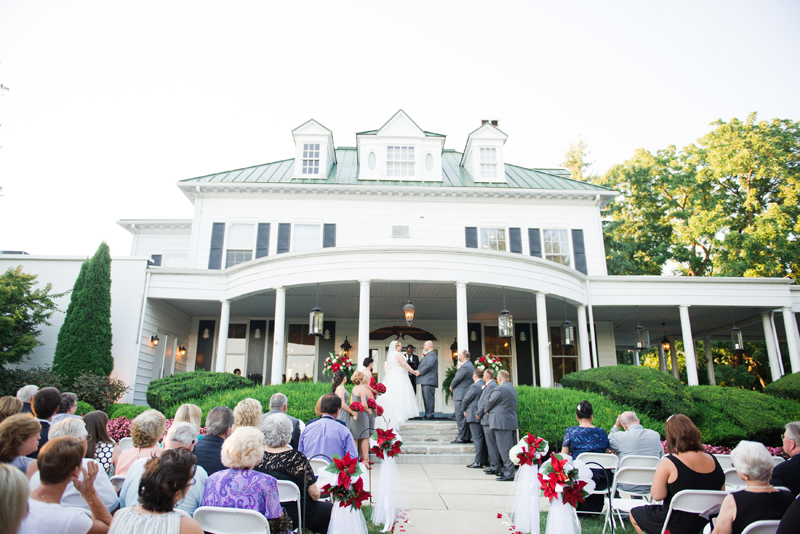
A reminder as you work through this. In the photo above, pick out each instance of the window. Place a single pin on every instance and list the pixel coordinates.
(488, 163)
(493, 239)
(237, 331)
(301, 353)
(400, 161)
(556, 247)
(565, 360)
(306, 237)
(310, 158)
(239, 246)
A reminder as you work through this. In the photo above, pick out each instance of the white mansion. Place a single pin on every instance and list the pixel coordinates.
(359, 232)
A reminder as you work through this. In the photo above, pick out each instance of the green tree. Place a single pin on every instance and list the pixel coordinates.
(68, 334)
(23, 309)
(575, 160)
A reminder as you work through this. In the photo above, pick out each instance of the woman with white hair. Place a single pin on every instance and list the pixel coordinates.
(247, 413)
(146, 430)
(240, 486)
(759, 500)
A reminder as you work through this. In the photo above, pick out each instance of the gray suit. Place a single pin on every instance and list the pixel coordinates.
(491, 443)
(502, 408)
(428, 380)
(470, 403)
(460, 384)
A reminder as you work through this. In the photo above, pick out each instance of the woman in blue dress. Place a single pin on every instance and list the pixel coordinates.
(587, 438)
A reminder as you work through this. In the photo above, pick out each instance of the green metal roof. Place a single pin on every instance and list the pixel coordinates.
(345, 172)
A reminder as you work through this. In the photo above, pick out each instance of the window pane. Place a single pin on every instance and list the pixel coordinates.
(237, 331)
(235, 257)
(306, 237)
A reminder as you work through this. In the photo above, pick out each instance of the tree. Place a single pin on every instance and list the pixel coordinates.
(23, 308)
(87, 341)
(575, 160)
(68, 334)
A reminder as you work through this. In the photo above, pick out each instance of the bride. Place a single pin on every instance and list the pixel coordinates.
(399, 402)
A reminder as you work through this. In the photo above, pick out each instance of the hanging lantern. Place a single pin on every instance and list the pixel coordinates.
(315, 321)
(408, 310)
(505, 323)
(665, 341)
(454, 349)
(737, 340)
(346, 346)
(567, 334)
(641, 338)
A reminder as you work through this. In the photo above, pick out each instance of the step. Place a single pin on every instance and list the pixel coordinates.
(429, 426)
(437, 448)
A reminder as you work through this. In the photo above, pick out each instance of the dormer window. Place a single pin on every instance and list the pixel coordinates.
(400, 161)
(488, 163)
(310, 158)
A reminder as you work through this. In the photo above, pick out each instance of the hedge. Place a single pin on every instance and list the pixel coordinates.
(179, 388)
(129, 411)
(645, 390)
(787, 387)
(729, 415)
(84, 408)
(11, 380)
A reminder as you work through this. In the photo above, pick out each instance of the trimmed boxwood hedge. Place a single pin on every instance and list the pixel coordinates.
(125, 410)
(787, 387)
(646, 390)
(84, 408)
(729, 415)
(181, 387)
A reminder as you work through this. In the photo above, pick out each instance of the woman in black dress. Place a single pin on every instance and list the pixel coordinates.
(685, 467)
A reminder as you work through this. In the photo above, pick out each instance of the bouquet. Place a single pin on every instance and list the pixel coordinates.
(566, 480)
(334, 363)
(528, 454)
(490, 361)
(371, 404)
(357, 407)
(380, 388)
(379, 410)
(529, 450)
(342, 481)
(385, 443)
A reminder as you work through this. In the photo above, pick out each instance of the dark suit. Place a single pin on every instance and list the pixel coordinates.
(413, 362)
(491, 443)
(460, 384)
(26, 407)
(208, 452)
(787, 474)
(295, 441)
(502, 408)
(470, 403)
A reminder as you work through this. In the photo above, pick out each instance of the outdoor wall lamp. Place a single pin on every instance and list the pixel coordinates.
(315, 318)
(182, 350)
(346, 346)
(154, 340)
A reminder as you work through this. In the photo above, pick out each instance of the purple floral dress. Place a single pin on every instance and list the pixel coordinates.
(244, 489)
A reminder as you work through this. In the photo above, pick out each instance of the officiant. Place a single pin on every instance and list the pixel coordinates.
(413, 361)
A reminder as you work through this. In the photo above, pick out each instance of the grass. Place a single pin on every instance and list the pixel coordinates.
(372, 529)
(593, 524)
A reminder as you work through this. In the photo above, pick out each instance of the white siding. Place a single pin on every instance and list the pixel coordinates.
(173, 246)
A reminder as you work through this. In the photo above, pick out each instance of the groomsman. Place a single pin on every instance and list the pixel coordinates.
(502, 409)
(470, 404)
(459, 387)
(495, 464)
(428, 378)
(413, 361)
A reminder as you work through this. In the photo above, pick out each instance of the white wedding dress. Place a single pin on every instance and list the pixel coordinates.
(399, 403)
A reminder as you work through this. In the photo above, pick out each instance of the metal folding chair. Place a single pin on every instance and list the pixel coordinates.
(732, 480)
(218, 520)
(640, 476)
(634, 460)
(762, 527)
(725, 461)
(125, 444)
(287, 492)
(694, 502)
(117, 481)
(608, 462)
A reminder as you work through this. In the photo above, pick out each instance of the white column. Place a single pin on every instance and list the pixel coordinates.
(545, 368)
(222, 343)
(790, 324)
(363, 320)
(462, 330)
(673, 359)
(772, 353)
(279, 346)
(583, 339)
(662, 359)
(712, 378)
(688, 347)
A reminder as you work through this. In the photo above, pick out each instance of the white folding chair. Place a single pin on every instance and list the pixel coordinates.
(117, 481)
(634, 460)
(732, 480)
(218, 520)
(640, 476)
(606, 461)
(762, 527)
(694, 502)
(777, 460)
(125, 444)
(724, 460)
(287, 492)
(318, 464)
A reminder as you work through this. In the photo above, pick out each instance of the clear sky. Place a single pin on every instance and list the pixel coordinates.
(110, 103)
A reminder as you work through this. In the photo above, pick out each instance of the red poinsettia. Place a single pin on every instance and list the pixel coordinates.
(345, 492)
(558, 469)
(357, 407)
(371, 404)
(359, 495)
(335, 367)
(387, 443)
(574, 494)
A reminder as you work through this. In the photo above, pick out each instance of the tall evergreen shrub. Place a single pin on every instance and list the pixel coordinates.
(66, 343)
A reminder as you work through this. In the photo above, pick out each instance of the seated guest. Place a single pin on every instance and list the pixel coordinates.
(9, 406)
(19, 436)
(240, 486)
(279, 403)
(685, 467)
(790, 519)
(180, 436)
(285, 463)
(634, 441)
(247, 413)
(190, 413)
(326, 436)
(318, 413)
(14, 492)
(71, 497)
(101, 448)
(146, 429)
(66, 408)
(60, 464)
(787, 474)
(219, 425)
(45, 406)
(26, 394)
(588, 438)
(165, 480)
(760, 500)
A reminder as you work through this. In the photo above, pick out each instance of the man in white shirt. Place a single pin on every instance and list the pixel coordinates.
(180, 436)
(635, 440)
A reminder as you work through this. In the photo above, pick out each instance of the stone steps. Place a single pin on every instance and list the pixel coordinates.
(428, 442)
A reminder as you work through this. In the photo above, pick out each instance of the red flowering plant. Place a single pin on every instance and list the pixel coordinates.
(489, 361)
(565, 479)
(341, 362)
(342, 481)
(530, 450)
(385, 443)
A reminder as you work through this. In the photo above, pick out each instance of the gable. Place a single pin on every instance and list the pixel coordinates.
(400, 125)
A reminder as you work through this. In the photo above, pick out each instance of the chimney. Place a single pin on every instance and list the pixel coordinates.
(494, 123)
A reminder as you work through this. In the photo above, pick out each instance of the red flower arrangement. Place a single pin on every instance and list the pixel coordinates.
(531, 449)
(345, 491)
(380, 388)
(341, 362)
(490, 361)
(387, 443)
(371, 404)
(379, 410)
(357, 407)
(561, 474)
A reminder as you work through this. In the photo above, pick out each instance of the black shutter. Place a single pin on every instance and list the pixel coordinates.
(284, 235)
(524, 354)
(205, 345)
(262, 240)
(535, 240)
(472, 237)
(579, 250)
(328, 236)
(217, 239)
(515, 240)
(476, 345)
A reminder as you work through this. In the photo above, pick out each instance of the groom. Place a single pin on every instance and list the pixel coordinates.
(428, 378)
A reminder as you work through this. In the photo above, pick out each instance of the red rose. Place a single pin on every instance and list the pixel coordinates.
(371, 404)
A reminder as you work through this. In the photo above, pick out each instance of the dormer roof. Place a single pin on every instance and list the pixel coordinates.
(484, 131)
(400, 122)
